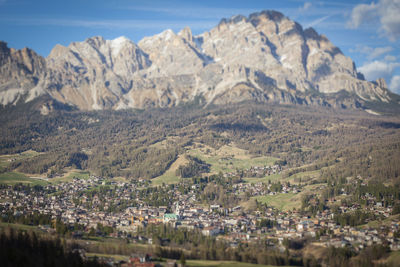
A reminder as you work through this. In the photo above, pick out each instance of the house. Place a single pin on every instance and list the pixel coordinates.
(210, 231)
(139, 260)
(170, 217)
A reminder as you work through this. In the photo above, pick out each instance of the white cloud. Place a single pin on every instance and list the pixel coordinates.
(362, 13)
(385, 14)
(372, 53)
(394, 85)
(390, 18)
(378, 69)
(305, 7)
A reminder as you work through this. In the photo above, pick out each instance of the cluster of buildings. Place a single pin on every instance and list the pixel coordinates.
(262, 171)
(80, 202)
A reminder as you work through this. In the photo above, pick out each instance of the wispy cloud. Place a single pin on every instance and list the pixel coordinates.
(319, 9)
(371, 52)
(390, 58)
(318, 12)
(327, 15)
(318, 21)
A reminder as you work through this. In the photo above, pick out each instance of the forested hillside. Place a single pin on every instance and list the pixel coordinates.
(143, 144)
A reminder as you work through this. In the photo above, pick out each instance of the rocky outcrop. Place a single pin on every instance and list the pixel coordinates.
(20, 71)
(265, 57)
(94, 74)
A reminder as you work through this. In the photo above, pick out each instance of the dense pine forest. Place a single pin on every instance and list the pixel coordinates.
(19, 248)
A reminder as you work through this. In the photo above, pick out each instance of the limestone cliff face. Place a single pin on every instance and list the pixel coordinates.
(93, 74)
(264, 57)
(20, 71)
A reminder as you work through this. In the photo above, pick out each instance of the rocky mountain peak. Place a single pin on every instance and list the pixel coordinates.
(311, 33)
(381, 83)
(233, 20)
(95, 41)
(4, 50)
(267, 14)
(264, 57)
(186, 34)
(119, 43)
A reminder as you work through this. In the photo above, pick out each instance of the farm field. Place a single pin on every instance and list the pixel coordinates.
(16, 177)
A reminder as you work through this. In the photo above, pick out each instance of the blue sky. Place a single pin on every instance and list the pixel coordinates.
(367, 31)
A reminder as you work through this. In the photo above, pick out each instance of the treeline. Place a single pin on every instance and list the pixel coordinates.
(134, 163)
(51, 163)
(172, 243)
(353, 192)
(346, 257)
(27, 249)
(30, 219)
(354, 218)
(157, 196)
(249, 254)
(61, 228)
(197, 246)
(380, 161)
(194, 168)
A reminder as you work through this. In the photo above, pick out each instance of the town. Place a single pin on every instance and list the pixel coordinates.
(126, 208)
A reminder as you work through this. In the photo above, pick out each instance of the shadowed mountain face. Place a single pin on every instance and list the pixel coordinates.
(19, 72)
(265, 57)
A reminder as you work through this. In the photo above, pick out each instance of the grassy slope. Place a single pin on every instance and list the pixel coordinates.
(169, 176)
(272, 178)
(16, 177)
(201, 263)
(394, 258)
(115, 257)
(378, 223)
(286, 201)
(18, 226)
(281, 201)
(71, 175)
(5, 160)
(228, 158)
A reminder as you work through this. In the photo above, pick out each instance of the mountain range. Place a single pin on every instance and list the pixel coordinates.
(265, 57)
